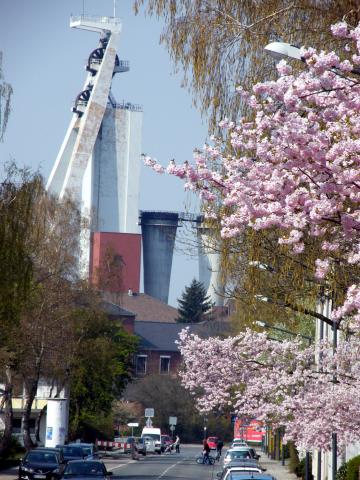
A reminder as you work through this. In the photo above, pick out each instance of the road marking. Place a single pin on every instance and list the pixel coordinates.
(120, 466)
(169, 468)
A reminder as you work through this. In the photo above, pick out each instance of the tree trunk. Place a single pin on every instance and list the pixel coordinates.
(30, 389)
(38, 422)
(8, 412)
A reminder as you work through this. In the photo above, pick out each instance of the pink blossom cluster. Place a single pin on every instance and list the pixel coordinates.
(296, 165)
(278, 382)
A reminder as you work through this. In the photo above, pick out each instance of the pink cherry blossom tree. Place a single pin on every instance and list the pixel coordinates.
(293, 166)
(278, 382)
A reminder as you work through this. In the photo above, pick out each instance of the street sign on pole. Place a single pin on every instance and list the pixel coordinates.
(172, 427)
(149, 412)
(172, 420)
(132, 425)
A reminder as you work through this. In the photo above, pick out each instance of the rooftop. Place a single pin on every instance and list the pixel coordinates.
(145, 307)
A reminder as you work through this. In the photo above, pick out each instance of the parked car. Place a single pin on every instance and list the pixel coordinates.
(165, 442)
(90, 451)
(244, 466)
(72, 452)
(82, 469)
(237, 454)
(251, 450)
(246, 463)
(230, 471)
(238, 442)
(212, 442)
(42, 464)
(232, 475)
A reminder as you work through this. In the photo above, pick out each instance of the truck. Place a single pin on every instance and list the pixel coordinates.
(153, 434)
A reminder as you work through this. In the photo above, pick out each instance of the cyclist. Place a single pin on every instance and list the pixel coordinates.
(206, 451)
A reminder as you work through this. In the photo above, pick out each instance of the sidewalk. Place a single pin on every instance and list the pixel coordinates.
(274, 467)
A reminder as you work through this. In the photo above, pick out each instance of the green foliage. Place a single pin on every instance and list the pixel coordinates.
(353, 466)
(300, 469)
(168, 397)
(100, 369)
(95, 426)
(341, 474)
(194, 303)
(12, 455)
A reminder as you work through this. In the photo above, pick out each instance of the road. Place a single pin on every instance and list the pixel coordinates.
(164, 467)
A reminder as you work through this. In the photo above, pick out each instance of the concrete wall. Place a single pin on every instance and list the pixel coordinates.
(158, 232)
(116, 172)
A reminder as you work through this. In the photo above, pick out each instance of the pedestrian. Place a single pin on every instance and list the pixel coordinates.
(206, 451)
(177, 444)
(219, 447)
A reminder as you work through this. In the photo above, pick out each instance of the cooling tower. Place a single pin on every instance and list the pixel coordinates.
(158, 235)
(209, 266)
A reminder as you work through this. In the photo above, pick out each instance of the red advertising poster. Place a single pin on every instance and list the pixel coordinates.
(249, 430)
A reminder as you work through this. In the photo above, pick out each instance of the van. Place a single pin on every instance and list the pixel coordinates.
(155, 435)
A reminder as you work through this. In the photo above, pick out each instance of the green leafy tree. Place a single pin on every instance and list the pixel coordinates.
(100, 369)
(193, 304)
(169, 398)
(218, 44)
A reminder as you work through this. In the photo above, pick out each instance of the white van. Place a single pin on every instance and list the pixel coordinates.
(155, 434)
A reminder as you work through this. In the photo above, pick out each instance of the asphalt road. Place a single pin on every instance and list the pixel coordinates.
(164, 467)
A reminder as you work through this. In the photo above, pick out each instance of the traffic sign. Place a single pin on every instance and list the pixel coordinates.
(172, 420)
(149, 412)
(132, 424)
(172, 428)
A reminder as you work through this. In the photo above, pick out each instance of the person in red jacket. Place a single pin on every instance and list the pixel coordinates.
(206, 451)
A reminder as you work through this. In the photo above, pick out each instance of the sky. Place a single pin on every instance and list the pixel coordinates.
(44, 59)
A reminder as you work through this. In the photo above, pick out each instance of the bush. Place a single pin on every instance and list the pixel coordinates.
(12, 456)
(342, 472)
(353, 468)
(300, 469)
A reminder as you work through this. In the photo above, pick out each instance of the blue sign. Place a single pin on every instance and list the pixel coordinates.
(233, 418)
(49, 433)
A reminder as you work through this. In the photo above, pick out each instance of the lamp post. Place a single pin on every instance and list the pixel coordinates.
(280, 50)
(205, 427)
(283, 330)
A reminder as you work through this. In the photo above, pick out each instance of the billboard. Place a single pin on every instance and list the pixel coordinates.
(250, 430)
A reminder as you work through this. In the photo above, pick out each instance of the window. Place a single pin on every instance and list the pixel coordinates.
(141, 364)
(164, 364)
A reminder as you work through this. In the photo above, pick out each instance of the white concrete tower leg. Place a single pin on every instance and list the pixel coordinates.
(209, 266)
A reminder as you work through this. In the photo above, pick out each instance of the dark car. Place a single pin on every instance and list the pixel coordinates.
(72, 452)
(85, 469)
(90, 451)
(42, 464)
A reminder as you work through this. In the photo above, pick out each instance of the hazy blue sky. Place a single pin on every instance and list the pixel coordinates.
(44, 61)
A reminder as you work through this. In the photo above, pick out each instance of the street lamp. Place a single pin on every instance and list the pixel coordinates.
(286, 50)
(283, 50)
(288, 332)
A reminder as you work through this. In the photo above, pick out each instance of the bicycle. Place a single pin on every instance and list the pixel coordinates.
(207, 460)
